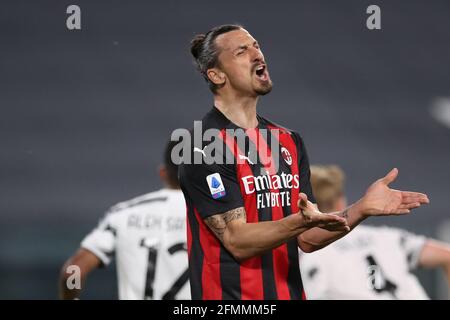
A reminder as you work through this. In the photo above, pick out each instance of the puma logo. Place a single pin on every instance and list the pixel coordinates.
(202, 151)
(241, 157)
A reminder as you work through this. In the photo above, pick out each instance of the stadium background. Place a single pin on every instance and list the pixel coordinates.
(85, 114)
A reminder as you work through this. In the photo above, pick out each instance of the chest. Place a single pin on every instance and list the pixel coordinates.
(268, 174)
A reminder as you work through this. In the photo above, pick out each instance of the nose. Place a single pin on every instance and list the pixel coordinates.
(257, 55)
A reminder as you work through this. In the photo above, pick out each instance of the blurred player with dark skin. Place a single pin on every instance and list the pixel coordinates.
(147, 235)
(371, 262)
(246, 220)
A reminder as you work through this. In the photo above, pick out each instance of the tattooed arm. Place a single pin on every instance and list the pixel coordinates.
(245, 240)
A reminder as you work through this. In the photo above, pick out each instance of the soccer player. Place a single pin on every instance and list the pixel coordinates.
(247, 218)
(371, 262)
(147, 235)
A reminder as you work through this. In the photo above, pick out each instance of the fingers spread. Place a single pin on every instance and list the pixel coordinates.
(402, 211)
(412, 193)
(415, 199)
(303, 196)
(330, 219)
(391, 176)
(303, 200)
(412, 205)
(408, 197)
(332, 228)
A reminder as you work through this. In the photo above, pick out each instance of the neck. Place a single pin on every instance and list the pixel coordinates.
(239, 110)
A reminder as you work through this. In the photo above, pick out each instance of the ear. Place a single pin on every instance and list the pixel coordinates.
(216, 76)
(163, 174)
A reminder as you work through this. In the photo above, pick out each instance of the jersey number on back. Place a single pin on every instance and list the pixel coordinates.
(377, 280)
(151, 269)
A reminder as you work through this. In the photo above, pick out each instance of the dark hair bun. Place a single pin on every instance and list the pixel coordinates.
(196, 45)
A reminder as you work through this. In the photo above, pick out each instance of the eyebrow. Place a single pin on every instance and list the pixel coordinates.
(245, 46)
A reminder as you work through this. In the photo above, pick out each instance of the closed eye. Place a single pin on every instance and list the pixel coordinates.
(241, 49)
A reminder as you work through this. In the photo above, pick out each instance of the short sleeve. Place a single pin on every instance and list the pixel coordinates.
(211, 189)
(411, 245)
(304, 170)
(102, 240)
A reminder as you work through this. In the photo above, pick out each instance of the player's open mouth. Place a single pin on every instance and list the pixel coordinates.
(261, 72)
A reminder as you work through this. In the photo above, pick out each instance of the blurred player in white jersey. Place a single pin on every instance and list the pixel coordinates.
(147, 236)
(370, 262)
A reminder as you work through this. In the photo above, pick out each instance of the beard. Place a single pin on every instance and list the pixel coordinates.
(264, 88)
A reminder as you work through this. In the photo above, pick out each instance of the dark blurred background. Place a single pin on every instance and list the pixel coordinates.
(85, 113)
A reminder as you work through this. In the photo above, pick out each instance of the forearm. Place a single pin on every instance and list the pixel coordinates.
(67, 294)
(247, 240)
(436, 254)
(317, 238)
(74, 273)
(67, 289)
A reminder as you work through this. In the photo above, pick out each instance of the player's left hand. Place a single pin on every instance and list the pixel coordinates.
(313, 217)
(380, 200)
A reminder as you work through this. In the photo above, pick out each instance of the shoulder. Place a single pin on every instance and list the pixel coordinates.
(296, 136)
(140, 202)
(174, 196)
(273, 125)
(385, 235)
(385, 231)
(405, 238)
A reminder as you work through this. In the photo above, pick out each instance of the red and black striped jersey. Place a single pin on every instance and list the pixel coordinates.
(266, 183)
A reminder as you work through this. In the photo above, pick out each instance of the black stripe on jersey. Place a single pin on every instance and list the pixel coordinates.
(176, 287)
(111, 229)
(195, 264)
(294, 279)
(182, 279)
(160, 199)
(230, 271)
(151, 270)
(177, 247)
(130, 204)
(264, 214)
(110, 253)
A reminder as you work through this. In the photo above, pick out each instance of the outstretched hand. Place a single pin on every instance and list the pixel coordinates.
(381, 200)
(312, 217)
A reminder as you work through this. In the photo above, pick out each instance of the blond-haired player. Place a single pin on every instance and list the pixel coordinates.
(370, 262)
